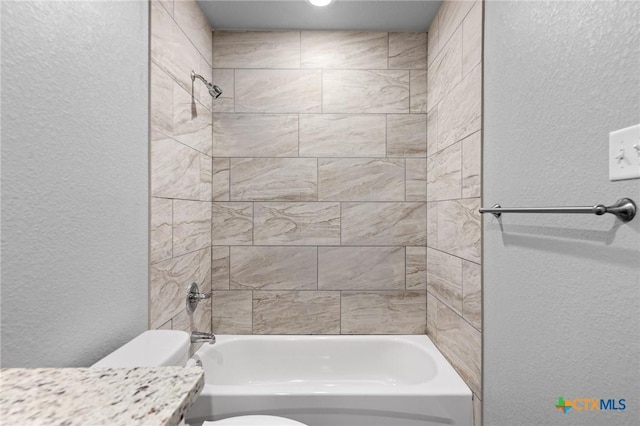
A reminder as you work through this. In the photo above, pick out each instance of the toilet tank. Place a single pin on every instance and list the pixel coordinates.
(153, 348)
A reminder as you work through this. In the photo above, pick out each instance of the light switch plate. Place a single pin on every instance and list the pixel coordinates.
(624, 153)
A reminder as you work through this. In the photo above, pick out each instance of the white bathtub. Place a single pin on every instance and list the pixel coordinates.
(332, 381)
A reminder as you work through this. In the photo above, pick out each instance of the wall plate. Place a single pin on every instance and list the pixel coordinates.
(624, 153)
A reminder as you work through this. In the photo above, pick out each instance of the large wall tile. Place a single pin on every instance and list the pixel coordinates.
(416, 179)
(408, 51)
(191, 122)
(274, 179)
(432, 224)
(256, 49)
(450, 16)
(416, 268)
(232, 223)
(433, 47)
(278, 91)
(372, 91)
(462, 345)
(383, 312)
(432, 132)
(446, 70)
(161, 229)
(471, 160)
(220, 268)
(161, 101)
(274, 268)
(177, 171)
(255, 135)
(418, 88)
(192, 21)
(342, 135)
(348, 179)
(168, 282)
(225, 79)
(472, 38)
(459, 228)
(444, 278)
(472, 293)
(220, 179)
(432, 317)
(231, 312)
(406, 135)
(443, 174)
(296, 312)
(191, 226)
(477, 411)
(344, 49)
(459, 113)
(369, 224)
(361, 268)
(297, 224)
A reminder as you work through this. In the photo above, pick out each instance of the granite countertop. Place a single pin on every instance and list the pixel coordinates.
(98, 396)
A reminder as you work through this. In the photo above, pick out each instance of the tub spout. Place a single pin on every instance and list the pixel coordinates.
(198, 336)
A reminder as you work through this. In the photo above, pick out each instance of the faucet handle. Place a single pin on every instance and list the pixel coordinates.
(194, 297)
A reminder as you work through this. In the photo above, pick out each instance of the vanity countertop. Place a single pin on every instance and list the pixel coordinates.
(98, 396)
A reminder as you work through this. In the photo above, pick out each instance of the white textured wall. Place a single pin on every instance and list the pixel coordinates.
(74, 180)
(561, 292)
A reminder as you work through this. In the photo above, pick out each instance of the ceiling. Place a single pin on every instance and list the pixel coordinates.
(372, 15)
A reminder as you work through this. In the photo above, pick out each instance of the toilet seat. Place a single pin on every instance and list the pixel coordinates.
(254, 421)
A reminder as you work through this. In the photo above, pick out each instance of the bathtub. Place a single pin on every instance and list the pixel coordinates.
(331, 381)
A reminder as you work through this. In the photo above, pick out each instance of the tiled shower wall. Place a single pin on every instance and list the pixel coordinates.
(319, 182)
(454, 299)
(180, 165)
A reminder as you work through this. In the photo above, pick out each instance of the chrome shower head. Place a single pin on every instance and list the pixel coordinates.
(214, 91)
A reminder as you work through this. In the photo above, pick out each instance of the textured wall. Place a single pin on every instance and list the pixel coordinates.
(74, 180)
(180, 165)
(319, 213)
(562, 291)
(454, 93)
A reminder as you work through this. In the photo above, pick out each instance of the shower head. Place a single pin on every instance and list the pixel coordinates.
(214, 91)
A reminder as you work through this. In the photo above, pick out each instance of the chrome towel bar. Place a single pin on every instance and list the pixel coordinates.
(625, 209)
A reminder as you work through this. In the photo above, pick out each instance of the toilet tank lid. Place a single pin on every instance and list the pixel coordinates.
(152, 348)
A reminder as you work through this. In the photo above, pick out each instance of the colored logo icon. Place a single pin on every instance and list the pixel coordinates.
(563, 405)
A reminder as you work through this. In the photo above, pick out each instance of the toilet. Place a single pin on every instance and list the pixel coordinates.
(155, 348)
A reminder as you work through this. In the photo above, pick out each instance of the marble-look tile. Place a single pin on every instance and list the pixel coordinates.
(191, 121)
(416, 268)
(383, 312)
(444, 278)
(178, 171)
(360, 179)
(472, 293)
(416, 179)
(432, 317)
(220, 268)
(383, 224)
(296, 312)
(459, 228)
(408, 51)
(196, 26)
(168, 5)
(461, 344)
(432, 132)
(161, 101)
(418, 88)
(406, 135)
(432, 224)
(220, 179)
(460, 112)
(297, 224)
(231, 223)
(274, 268)
(446, 70)
(161, 229)
(168, 284)
(286, 179)
(255, 135)
(165, 326)
(477, 411)
(361, 268)
(345, 50)
(256, 49)
(191, 226)
(342, 135)
(199, 320)
(231, 312)
(444, 178)
(370, 91)
(225, 79)
(201, 91)
(450, 16)
(472, 38)
(433, 47)
(278, 91)
(471, 160)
